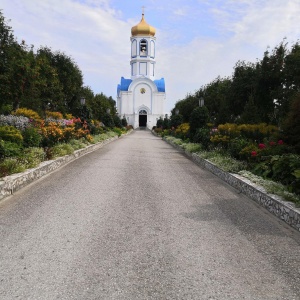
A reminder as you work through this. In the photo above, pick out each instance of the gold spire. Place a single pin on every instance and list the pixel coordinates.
(143, 28)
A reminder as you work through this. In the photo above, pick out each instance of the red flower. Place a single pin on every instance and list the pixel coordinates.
(272, 143)
(253, 153)
(261, 146)
(280, 142)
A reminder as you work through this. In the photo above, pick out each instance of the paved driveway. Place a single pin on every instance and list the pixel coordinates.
(137, 220)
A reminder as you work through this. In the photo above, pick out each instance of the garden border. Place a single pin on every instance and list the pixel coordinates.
(14, 182)
(282, 209)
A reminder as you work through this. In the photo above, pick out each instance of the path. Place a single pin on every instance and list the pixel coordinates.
(137, 220)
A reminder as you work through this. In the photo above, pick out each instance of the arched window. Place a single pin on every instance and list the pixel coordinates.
(143, 48)
(133, 48)
(143, 112)
(152, 49)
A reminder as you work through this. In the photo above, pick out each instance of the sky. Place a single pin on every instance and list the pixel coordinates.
(196, 40)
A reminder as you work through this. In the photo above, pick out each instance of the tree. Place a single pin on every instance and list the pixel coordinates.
(186, 106)
(242, 86)
(291, 125)
(198, 119)
(7, 42)
(176, 120)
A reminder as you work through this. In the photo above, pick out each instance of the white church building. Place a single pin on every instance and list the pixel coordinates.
(141, 99)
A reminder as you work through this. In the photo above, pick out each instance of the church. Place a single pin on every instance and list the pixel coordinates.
(141, 99)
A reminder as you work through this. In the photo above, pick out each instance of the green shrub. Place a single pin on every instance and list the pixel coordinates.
(117, 121)
(223, 161)
(61, 150)
(284, 168)
(32, 157)
(272, 187)
(11, 134)
(118, 131)
(236, 145)
(31, 137)
(202, 136)
(192, 148)
(77, 144)
(10, 166)
(198, 119)
(9, 149)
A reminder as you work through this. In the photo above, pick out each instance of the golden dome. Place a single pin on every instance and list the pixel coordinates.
(143, 28)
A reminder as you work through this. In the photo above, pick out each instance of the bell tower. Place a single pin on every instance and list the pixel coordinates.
(142, 50)
(141, 99)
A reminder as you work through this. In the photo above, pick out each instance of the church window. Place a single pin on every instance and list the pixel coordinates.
(143, 112)
(143, 48)
(133, 48)
(152, 49)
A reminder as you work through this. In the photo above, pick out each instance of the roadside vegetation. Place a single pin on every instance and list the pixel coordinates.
(45, 110)
(248, 123)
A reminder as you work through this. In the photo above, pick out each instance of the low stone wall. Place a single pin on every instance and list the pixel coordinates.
(284, 210)
(12, 183)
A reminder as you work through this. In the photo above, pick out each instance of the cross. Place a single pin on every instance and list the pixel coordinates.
(143, 9)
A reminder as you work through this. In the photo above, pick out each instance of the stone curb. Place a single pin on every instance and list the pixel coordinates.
(284, 210)
(14, 182)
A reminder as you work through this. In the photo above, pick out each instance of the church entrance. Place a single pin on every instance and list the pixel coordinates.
(142, 118)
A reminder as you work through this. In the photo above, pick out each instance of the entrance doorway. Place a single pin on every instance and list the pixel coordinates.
(142, 118)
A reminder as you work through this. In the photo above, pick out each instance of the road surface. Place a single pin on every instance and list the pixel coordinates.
(137, 220)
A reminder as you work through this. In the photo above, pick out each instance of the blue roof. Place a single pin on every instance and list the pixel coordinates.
(125, 83)
(160, 83)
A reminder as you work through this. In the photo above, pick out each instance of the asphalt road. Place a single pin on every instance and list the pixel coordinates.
(137, 220)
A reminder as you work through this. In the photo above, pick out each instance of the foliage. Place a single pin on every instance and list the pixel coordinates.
(117, 121)
(32, 157)
(77, 144)
(9, 149)
(192, 147)
(12, 134)
(202, 136)
(291, 125)
(61, 150)
(236, 145)
(31, 137)
(175, 121)
(271, 186)
(108, 120)
(124, 121)
(25, 112)
(19, 122)
(198, 119)
(166, 123)
(118, 131)
(52, 133)
(182, 131)
(11, 165)
(284, 169)
(54, 115)
(159, 123)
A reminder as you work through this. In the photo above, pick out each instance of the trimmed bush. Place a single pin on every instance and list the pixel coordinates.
(9, 149)
(11, 134)
(31, 137)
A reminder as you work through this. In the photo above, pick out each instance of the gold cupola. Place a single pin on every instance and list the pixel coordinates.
(143, 28)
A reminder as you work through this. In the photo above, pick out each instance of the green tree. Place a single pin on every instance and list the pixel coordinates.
(7, 42)
(291, 125)
(242, 86)
(198, 119)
